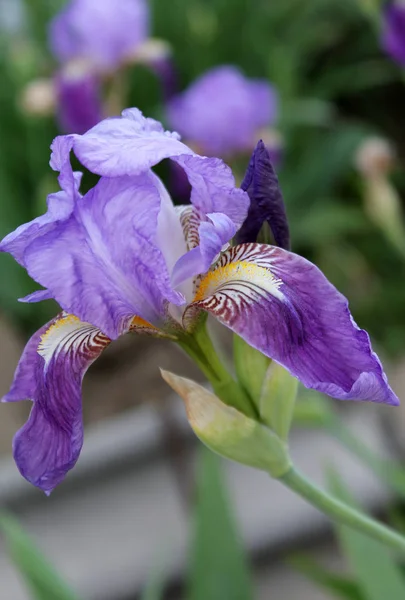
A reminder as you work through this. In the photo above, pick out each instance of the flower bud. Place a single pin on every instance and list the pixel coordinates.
(251, 367)
(227, 431)
(277, 399)
(375, 156)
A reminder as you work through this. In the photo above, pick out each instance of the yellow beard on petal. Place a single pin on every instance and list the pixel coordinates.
(242, 272)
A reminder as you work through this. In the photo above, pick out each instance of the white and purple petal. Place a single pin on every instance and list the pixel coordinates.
(285, 307)
(50, 374)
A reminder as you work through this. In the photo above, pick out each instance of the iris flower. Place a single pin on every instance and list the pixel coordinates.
(222, 111)
(122, 258)
(92, 39)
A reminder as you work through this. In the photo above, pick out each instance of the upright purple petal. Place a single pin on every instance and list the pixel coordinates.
(222, 111)
(393, 31)
(79, 100)
(102, 32)
(127, 145)
(266, 201)
(283, 305)
(50, 373)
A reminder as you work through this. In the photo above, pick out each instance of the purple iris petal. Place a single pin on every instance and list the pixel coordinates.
(79, 101)
(285, 307)
(127, 145)
(393, 36)
(103, 32)
(102, 263)
(266, 200)
(222, 111)
(50, 373)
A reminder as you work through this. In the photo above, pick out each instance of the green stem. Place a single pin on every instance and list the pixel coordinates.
(200, 348)
(340, 512)
(390, 472)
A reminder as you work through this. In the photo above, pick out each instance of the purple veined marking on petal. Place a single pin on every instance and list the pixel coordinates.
(285, 307)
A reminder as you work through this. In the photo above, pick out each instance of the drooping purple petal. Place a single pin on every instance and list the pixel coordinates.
(266, 201)
(393, 31)
(79, 100)
(60, 205)
(222, 111)
(283, 305)
(50, 373)
(102, 32)
(103, 263)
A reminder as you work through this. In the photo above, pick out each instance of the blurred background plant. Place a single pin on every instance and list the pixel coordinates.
(333, 74)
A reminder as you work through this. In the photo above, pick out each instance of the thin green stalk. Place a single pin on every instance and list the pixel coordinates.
(388, 471)
(340, 512)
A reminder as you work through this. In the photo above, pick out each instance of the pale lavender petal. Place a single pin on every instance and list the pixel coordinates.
(127, 145)
(393, 31)
(222, 111)
(99, 31)
(283, 305)
(79, 101)
(266, 201)
(102, 264)
(50, 373)
(37, 296)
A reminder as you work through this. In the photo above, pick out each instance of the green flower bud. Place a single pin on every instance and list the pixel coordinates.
(251, 367)
(277, 399)
(227, 431)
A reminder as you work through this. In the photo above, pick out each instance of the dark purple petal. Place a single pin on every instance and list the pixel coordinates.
(266, 201)
(222, 111)
(50, 373)
(102, 264)
(79, 101)
(283, 305)
(99, 31)
(393, 31)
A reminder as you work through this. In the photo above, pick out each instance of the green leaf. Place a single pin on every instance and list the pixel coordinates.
(41, 578)
(339, 585)
(154, 588)
(376, 572)
(218, 568)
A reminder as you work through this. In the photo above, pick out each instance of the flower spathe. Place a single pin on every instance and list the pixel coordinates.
(122, 258)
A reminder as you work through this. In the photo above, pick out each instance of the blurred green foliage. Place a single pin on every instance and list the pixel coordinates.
(336, 88)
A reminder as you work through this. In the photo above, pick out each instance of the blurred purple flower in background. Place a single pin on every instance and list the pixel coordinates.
(393, 32)
(104, 32)
(92, 39)
(122, 258)
(222, 112)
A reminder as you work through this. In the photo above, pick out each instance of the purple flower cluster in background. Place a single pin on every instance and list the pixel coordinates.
(393, 36)
(91, 39)
(222, 112)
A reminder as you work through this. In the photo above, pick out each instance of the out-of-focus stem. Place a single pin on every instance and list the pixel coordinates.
(340, 512)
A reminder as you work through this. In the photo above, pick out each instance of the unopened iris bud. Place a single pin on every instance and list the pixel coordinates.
(39, 98)
(277, 399)
(250, 366)
(229, 432)
(375, 157)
